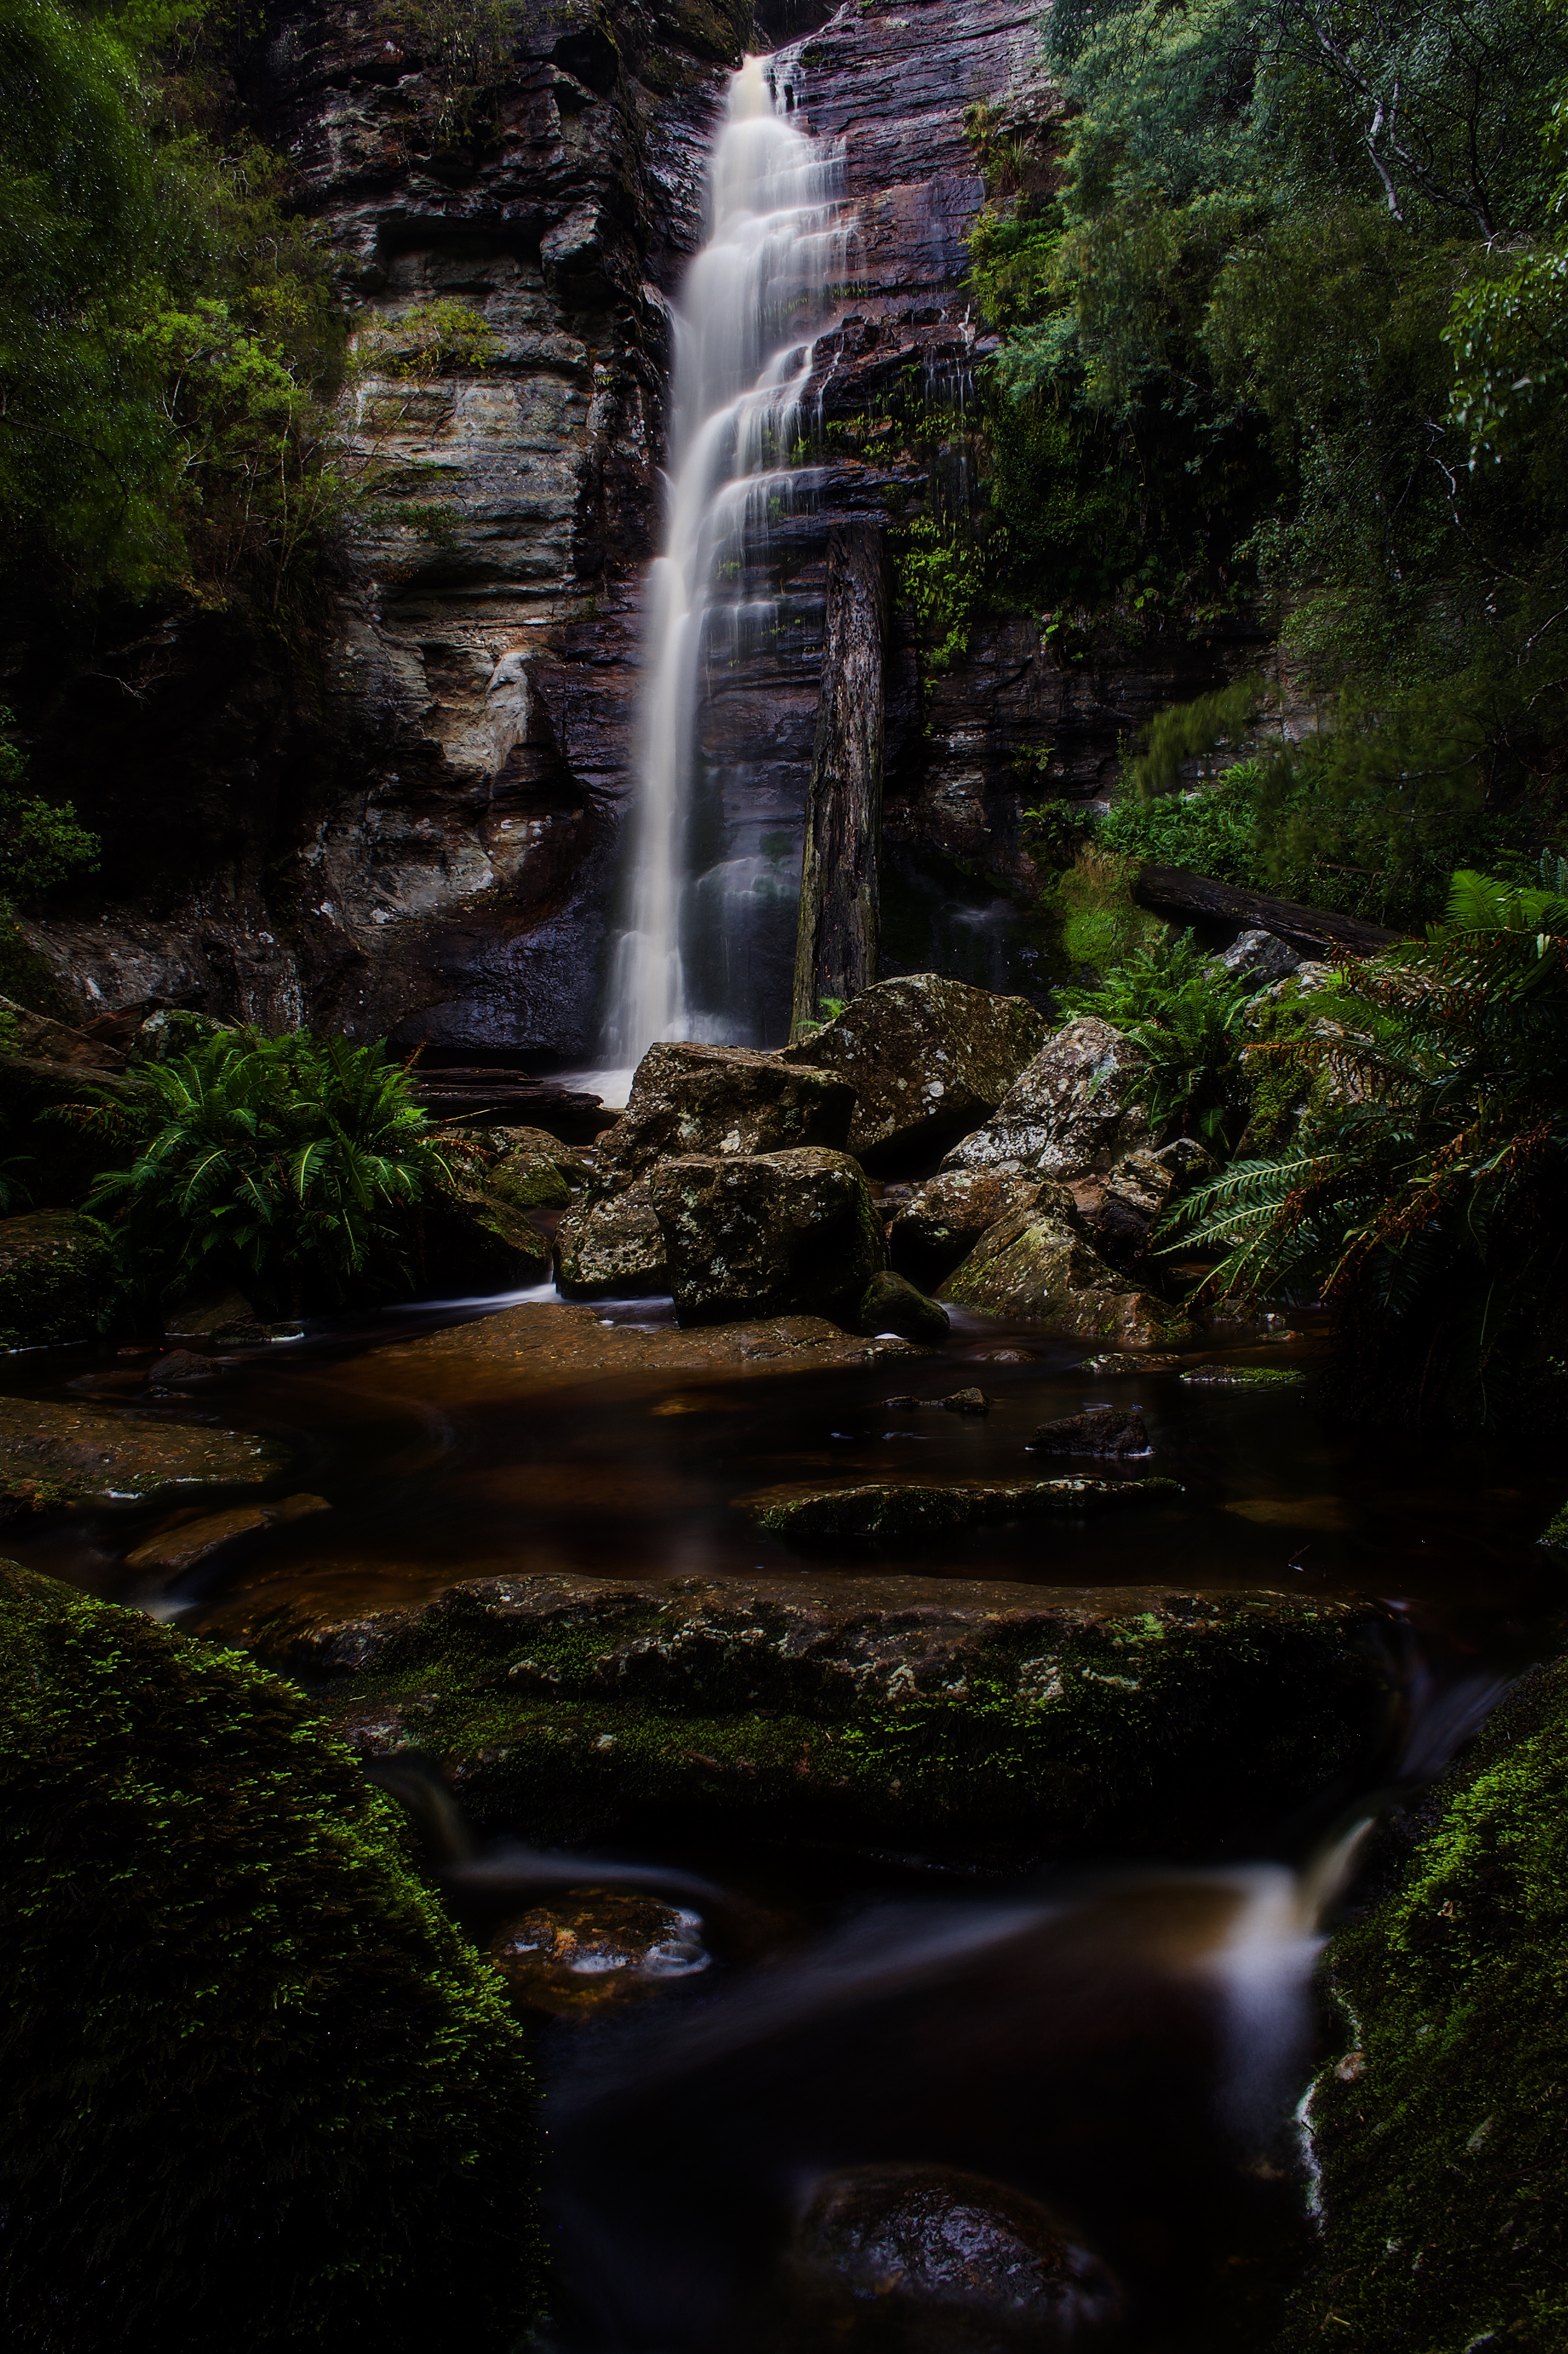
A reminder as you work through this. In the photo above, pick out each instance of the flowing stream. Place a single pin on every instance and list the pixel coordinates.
(702, 885)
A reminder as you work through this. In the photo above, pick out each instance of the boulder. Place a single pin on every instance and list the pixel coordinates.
(611, 1243)
(901, 2259)
(944, 1219)
(1038, 1263)
(898, 1511)
(1100, 1430)
(1071, 1112)
(237, 2019)
(56, 1275)
(1121, 1209)
(928, 1057)
(721, 1101)
(181, 1544)
(595, 1946)
(75, 1455)
(476, 1242)
(1260, 958)
(216, 1316)
(890, 1304)
(766, 1234)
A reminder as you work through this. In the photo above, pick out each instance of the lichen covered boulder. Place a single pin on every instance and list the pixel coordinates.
(890, 1303)
(944, 1217)
(259, 2093)
(767, 1234)
(1440, 2125)
(928, 1058)
(611, 1243)
(476, 1241)
(892, 1706)
(720, 1101)
(57, 1454)
(56, 1272)
(1073, 1111)
(1039, 1264)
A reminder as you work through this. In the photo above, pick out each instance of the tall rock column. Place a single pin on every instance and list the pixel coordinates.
(836, 946)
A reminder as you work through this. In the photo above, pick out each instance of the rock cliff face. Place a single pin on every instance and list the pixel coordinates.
(418, 832)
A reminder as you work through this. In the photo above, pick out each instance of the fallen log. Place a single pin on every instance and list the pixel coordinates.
(1320, 931)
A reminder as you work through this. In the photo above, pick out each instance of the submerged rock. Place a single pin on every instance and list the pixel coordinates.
(1244, 1377)
(57, 1270)
(237, 2023)
(723, 1102)
(762, 1235)
(890, 1303)
(928, 1057)
(928, 2260)
(77, 1456)
(595, 1946)
(613, 1242)
(944, 1219)
(567, 1709)
(1075, 1109)
(185, 1542)
(1099, 1430)
(882, 1510)
(1115, 1365)
(1038, 1263)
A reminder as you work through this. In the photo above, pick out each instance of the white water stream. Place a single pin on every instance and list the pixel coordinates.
(753, 301)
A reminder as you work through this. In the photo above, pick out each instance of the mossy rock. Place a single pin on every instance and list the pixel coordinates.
(57, 1277)
(259, 2093)
(1442, 2130)
(1244, 1377)
(900, 1707)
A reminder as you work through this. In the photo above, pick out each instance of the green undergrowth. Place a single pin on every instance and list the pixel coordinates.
(1120, 1735)
(57, 1279)
(1443, 2136)
(258, 2092)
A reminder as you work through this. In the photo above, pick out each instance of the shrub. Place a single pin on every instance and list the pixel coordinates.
(288, 1166)
(1102, 924)
(1181, 1009)
(259, 2092)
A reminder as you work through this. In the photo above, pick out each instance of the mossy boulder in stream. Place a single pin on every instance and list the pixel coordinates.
(259, 2092)
(56, 1276)
(924, 1708)
(1441, 2128)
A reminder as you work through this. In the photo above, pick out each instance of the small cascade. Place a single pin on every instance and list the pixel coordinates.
(753, 303)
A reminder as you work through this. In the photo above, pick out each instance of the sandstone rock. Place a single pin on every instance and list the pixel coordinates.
(476, 1242)
(1099, 1430)
(1261, 958)
(767, 1233)
(596, 1946)
(89, 1456)
(1115, 1365)
(929, 1057)
(1074, 1111)
(1038, 1263)
(891, 1304)
(944, 1217)
(219, 1315)
(57, 1270)
(898, 1511)
(183, 1369)
(926, 2260)
(1121, 1209)
(612, 1243)
(185, 1542)
(970, 1401)
(722, 1100)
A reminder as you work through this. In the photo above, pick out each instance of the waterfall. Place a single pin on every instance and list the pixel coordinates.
(753, 304)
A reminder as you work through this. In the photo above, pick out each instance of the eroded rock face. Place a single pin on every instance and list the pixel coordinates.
(766, 1234)
(1071, 1112)
(1038, 1263)
(926, 2260)
(928, 1056)
(945, 1217)
(726, 1100)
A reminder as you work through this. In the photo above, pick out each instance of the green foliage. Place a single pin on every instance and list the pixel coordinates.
(1421, 1194)
(427, 338)
(260, 2093)
(941, 578)
(56, 1272)
(288, 1166)
(1102, 924)
(1211, 831)
(1440, 2138)
(1182, 1010)
(40, 842)
(1186, 730)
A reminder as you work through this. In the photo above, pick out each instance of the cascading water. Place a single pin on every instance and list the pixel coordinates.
(753, 301)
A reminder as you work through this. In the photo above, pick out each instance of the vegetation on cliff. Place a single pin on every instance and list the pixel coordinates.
(1282, 308)
(259, 2092)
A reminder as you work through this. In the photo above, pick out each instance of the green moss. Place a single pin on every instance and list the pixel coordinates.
(58, 1275)
(529, 1183)
(260, 2093)
(1443, 2137)
(1244, 1377)
(1555, 1533)
(1120, 1735)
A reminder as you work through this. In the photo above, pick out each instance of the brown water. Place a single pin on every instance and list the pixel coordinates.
(1126, 2048)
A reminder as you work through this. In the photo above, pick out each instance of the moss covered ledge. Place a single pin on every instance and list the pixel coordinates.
(1441, 2126)
(258, 2092)
(926, 1708)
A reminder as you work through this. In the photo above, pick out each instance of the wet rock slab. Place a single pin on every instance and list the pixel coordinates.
(75, 1455)
(565, 1707)
(901, 1509)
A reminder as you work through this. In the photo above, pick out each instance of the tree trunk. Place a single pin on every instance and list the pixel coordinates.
(837, 944)
(1170, 890)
